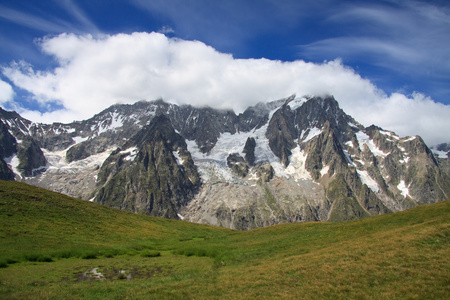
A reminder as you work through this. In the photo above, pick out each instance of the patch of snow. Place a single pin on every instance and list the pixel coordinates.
(410, 139)
(57, 161)
(440, 154)
(271, 114)
(13, 163)
(324, 170)
(196, 154)
(116, 122)
(180, 161)
(213, 166)
(102, 128)
(367, 180)
(8, 122)
(364, 139)
(296, 168)
(312, 133)
(214, 171)
(132, 152)
(404, 160)
(180, 216)
(297, 102)
(404, 190)
(350, 144)
(360, 161)
(234, 143)
(388, 133)
(228, 144)
(79, 139)
(353, 125)
(70, 130)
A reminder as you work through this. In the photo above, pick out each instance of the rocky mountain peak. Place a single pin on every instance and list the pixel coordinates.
(159, 129)
(154, 173)
(291, 160)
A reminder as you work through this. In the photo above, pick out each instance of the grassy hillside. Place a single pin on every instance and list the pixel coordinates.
(56, 247)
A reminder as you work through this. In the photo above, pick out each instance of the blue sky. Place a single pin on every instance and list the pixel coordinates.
(386, 62)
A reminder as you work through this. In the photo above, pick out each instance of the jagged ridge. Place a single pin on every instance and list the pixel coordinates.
(291, 160)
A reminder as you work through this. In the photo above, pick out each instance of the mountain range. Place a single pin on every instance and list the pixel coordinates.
(292, 160)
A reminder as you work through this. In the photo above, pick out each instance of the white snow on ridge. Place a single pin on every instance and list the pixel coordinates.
(297, 102)
(367, 180)
(388, 133)
(410, 139)
(116, 122)
(132, 152)
(312, 133)
(364, 139)
(180, 161)
(353, 125)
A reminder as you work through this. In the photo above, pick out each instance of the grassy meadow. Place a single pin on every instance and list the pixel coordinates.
(57, 247)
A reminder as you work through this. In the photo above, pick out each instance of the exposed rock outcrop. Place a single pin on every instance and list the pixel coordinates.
(153, 175)
(292, 160)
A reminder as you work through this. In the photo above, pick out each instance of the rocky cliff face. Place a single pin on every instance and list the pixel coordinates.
(154, 173)
(291, 160)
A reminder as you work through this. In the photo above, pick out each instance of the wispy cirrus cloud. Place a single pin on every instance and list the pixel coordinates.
(407, 37)
(228, 24)
(47, 23)
(33, 21)
(74, 10)
(380, 52)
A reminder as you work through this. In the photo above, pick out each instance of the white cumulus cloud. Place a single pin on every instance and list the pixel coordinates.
(6, 92)
(94, 73)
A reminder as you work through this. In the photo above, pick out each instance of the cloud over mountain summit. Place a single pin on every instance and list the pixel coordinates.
(92, 73)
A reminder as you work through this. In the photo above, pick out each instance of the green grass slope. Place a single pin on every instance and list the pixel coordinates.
(56, 247)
